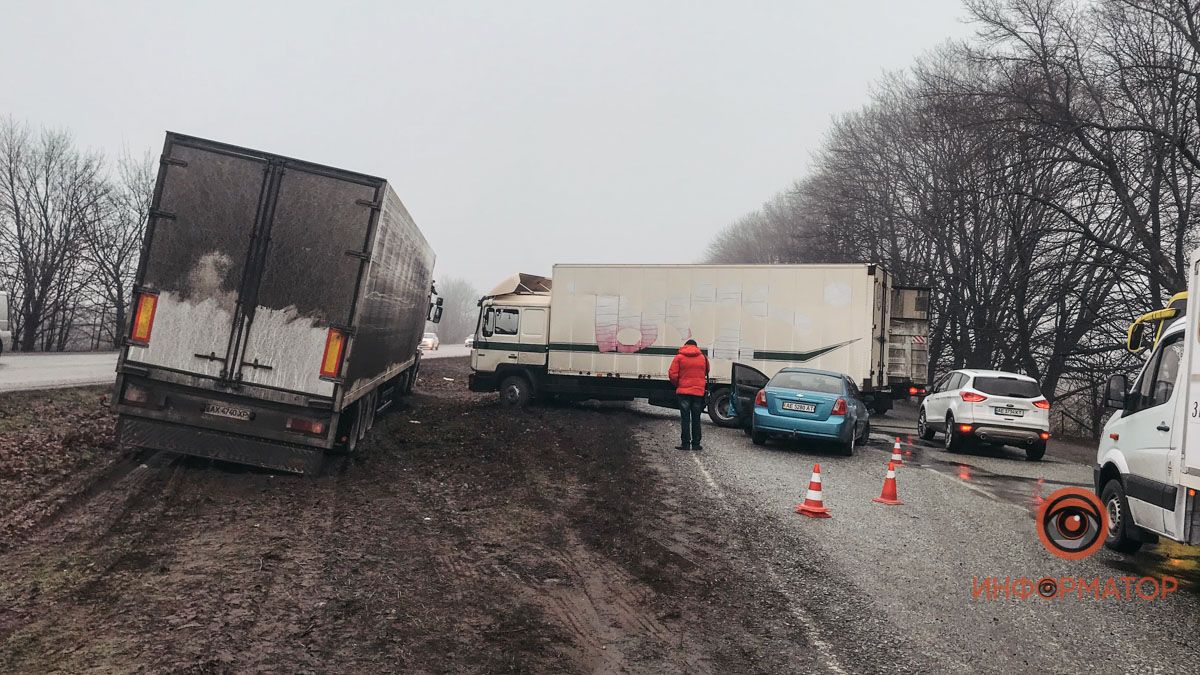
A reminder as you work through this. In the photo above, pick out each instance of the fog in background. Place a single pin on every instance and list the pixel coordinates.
(518, 134)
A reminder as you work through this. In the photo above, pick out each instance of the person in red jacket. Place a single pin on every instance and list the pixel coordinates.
(689, 374)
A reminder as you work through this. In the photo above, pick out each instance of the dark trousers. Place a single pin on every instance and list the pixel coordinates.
(689, 419)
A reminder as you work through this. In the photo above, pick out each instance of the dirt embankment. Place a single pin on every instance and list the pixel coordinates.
(462, 538)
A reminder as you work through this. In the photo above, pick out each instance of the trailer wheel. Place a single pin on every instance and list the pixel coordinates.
(1120, 522)
(718, 409)
(515, 391)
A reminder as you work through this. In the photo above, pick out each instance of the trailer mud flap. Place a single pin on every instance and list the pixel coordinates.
(217, 445)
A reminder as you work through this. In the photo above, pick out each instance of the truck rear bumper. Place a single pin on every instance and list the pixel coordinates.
(147, 433)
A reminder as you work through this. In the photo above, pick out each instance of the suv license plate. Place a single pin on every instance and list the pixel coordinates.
(222, 410)
(800, 407)
(1010, 412)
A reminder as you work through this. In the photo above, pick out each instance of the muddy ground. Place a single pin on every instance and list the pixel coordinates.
(462, 537)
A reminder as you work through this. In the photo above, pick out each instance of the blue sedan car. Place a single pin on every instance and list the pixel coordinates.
(801, 403)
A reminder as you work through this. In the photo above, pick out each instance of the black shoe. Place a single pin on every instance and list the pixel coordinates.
(683, 446)
(697, 447)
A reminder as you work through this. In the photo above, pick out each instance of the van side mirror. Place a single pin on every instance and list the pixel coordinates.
(1133, 341)
(1116, 391)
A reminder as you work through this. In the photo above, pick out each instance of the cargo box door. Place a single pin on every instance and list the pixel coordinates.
(206, 210)
(310, 274)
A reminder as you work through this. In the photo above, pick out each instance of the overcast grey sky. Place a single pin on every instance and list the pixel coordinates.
(519, 134)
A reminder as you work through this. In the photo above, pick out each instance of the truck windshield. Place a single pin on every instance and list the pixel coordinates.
(1007, 386)
(824, 384)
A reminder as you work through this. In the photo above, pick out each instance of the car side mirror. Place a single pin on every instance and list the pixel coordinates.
(1116, 391)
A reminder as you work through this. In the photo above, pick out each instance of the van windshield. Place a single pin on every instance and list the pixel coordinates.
(1007, 386)
(824, 384)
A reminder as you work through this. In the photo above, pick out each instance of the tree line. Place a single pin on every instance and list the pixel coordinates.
(1041, 177)
(71, 227)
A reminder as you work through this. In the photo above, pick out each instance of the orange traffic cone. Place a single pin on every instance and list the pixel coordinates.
(889, 488)
(813, 505)
(896, 452)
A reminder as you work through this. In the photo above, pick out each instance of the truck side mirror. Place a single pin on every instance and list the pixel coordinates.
(437, 312)
(1116, 391)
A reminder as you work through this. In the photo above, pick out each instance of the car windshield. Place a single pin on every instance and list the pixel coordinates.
(1007, 386)
(825, 384)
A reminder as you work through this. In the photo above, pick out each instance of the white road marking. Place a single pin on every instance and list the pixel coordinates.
(795, 608)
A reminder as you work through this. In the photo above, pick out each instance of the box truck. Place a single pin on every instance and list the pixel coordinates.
(1147, 469)
(278, 305)
(609, 332)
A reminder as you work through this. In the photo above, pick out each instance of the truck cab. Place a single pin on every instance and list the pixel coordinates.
(511, 339)
(1148, 463)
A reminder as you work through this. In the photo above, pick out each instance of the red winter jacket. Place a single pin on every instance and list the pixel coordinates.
(689, 371)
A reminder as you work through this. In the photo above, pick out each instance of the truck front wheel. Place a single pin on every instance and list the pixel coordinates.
(515, 391)
(1120, 522)
(718, 409)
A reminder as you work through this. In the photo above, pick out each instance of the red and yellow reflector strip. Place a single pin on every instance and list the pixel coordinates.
(143, 318)
(335, 346)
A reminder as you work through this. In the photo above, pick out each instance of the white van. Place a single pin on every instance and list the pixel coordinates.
(5, 333)
(1148, 463)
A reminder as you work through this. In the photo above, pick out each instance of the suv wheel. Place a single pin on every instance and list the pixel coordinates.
(923, 429)
(1036, 451)
(954, 439)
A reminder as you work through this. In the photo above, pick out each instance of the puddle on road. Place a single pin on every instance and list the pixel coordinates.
(1167, 558)
(1024, 491)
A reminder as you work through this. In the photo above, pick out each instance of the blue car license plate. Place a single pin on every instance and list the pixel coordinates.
(800, 407)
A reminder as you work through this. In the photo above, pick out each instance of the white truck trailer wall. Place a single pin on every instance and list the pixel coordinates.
(630, 320)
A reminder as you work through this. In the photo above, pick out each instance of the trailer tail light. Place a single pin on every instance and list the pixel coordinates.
(972, 397)
(307, 426)
(760, 399)
(839, 407)
(1042, 403)
(143, 318)
(335, 346)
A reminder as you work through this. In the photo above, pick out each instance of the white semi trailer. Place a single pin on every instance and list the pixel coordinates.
(609, 332)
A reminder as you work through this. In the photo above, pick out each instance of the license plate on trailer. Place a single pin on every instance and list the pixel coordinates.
(1010, 412)
(222, 410)
(800, 407)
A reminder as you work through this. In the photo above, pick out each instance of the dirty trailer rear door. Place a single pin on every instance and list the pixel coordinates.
(253, 258)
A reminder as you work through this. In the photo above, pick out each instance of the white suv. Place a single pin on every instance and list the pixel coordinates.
(987, 405)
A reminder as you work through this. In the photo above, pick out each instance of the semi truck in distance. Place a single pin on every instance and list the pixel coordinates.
(609, 332)
(278, 305)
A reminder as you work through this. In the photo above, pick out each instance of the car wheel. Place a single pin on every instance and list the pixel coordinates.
(515, 391)
(954, 440)
(925, 431)
(757, 437)
(718, 409)
(1120, 522)
(866, 434)
(1036, 452)
(847, 448)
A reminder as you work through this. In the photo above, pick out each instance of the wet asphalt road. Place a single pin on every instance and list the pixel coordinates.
(889, 588)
